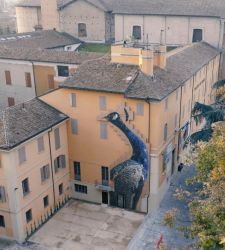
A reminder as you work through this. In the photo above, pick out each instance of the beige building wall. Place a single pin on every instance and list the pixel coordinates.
(177, 30)
(14, 173)
(83, 12)
(50, 15)
(27, 18)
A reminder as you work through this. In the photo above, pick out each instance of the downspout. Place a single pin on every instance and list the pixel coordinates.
(51, 163)
(34, 79)
(149, 129)
(181, 97)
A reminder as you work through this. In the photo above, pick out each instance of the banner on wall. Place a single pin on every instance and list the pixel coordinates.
(184, 134)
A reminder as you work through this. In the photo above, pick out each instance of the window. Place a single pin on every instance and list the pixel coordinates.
(29, 216)
(73, 100)
(140, 109)
(197, 35)
(74, 126)
(25, 186)
(11, 101)
(103, 130)
(80, 188)
(165, 131)
(137, 32)
(45, 173)
(45, 201)
(57, 138)
(2, 221)
(105, 176)
(59, 162)
(8, 80)
(63, 71)
(28, 79)
(76, 166)
(51, 82)
(22, 155)
(166, 104)
(102, 103)
(2, 194)
(60, 189)
(40, 143)
(82, 30)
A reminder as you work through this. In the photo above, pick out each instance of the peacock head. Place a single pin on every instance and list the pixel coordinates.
(114, 116)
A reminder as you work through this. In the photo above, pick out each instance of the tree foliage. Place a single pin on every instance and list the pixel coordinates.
(209, 113)
(208, 208)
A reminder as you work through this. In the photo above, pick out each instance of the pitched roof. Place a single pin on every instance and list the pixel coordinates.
(51, 56)
(101, 75)
(24, 121)
(46, 39)
(214, 8)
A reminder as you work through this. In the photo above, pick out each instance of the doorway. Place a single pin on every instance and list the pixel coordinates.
(173, 162)
(105, 199)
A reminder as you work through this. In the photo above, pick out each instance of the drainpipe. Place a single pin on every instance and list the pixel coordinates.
(181, 96)
(34, 78)
(149, 129)
(51, 164)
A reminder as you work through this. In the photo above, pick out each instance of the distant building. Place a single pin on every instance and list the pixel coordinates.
(181, 21)
(26, 73)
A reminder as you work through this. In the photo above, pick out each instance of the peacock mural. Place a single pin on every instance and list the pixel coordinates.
(130, 175)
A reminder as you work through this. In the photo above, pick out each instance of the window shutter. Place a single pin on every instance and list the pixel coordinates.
(103, 130)
(56, 165)
(22, 155)
(47, 171)
(74, 126)
(73, 100)
(102, 103)
(140, 109)
(51, 81)
(8, 77)
(57, 138)
(63, 161)
(28, 79)
(2, 194)
(42, 174)
(40, 142)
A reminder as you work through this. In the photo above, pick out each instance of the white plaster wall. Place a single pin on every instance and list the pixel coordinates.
(18, 89)
(177, 30)
(82, 12)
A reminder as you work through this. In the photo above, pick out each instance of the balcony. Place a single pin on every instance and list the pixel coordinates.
(104, 186)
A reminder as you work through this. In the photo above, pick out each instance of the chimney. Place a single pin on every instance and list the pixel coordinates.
(146, 62)
(160, 56)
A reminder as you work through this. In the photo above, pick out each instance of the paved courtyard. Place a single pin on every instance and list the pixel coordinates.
(84, 226)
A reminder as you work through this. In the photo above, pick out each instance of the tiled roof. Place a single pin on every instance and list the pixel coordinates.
(46, 39)
(214, 8)
(24, 121)
(41, 55)
(101, 75)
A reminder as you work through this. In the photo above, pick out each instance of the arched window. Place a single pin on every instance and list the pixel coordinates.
(82, 30)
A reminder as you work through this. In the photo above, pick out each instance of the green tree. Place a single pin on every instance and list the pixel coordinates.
(208, 207)
(209, 113)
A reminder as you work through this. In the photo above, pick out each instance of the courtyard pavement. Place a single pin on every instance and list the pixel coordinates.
(153, 228)
(84, 226)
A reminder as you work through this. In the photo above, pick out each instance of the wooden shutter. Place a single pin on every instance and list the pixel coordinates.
(11, 101)
(72, 100)
(2, 194)
(102, 103)
(8, 77)
(56, 165)
(51, 82)
(40, 142)
(47, 171)
(42, 174)
(63, 161)
(22, 155)
(74, 126)
(28, 79)
(57, 138)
